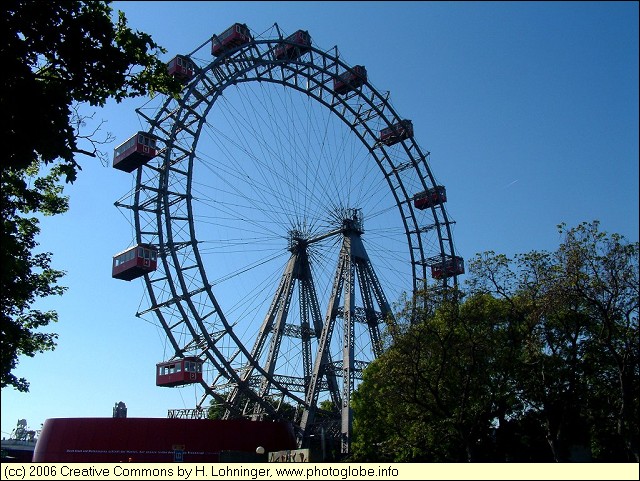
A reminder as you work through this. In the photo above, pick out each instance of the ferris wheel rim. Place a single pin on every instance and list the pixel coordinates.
(370, 97)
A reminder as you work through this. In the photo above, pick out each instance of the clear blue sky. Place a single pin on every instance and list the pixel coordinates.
(529, 110)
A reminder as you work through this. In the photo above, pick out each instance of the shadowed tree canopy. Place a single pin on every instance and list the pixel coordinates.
(538, 361)
(56, 56)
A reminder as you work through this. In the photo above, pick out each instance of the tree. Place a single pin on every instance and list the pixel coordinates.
(581, 356)
(55, 56)
(25, 276)
(537, 362)
(434, 394)
(601, 273)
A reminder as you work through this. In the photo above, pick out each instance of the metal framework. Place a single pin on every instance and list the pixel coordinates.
(167, 205)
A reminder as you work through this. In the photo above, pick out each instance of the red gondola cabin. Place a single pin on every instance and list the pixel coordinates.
(301, 44)
(135, 152)
(179, 372)
(182, 68)
(449, 268)
(397, 132)
(134, 262)
(236, 35)
(434, 196)
(350, 80)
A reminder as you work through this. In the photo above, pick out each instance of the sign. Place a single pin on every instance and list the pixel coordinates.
(290, 456)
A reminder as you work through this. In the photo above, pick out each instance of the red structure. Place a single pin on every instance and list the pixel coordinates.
(135, 152)
(350, 80)
(179, 372)
(236, 35)
(397, 132)
(434, 196)
(450, 267)
(157, 440)
(301, 44)
(134, 262)
(182, 68)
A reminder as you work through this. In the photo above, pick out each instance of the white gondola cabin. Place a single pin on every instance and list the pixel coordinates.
(429, 198)
(187, 370)
(135, 152)
(134, 262)
(350, 80)
(449, 268)
(399, 131)
(235, 36)
(182, 68)
(301, 44)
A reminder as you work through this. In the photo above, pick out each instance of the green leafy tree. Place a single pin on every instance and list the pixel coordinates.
(26, 276)
(434, 395)
(538, 362)
(580, 361)
(600, 274)
(547, 379)
(56, 57)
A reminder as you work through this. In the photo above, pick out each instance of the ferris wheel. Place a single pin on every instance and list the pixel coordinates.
(281, 208)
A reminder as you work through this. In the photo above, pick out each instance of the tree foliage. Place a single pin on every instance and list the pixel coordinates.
(56, 56)
(538, 361)
(26, 276)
